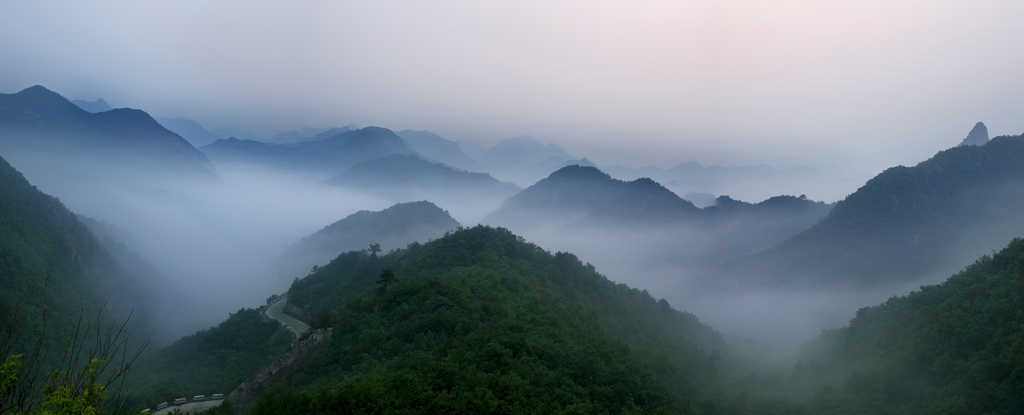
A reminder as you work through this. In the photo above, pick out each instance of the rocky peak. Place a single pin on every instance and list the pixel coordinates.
(977, 137)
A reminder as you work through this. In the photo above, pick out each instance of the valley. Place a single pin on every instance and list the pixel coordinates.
(722, 208)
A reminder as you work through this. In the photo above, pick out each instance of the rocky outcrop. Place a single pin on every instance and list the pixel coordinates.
(977, 137)
(250, 390)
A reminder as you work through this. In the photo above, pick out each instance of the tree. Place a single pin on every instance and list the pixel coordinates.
(387, 279)
(79, 383)
(374, 249)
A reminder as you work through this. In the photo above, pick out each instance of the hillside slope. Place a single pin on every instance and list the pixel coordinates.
(50, 262)
(955, 347)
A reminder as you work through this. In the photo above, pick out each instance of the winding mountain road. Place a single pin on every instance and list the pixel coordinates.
(276, 312)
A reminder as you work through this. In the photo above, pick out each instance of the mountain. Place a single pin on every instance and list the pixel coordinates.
(37, 124)
(394, 227)
(699, 199)
(330, 156)
(908, 222)
(308, 134)
(480, 321)
(977, 137)
(692, 177)
(440, 149)
(577, 206)
(955, 347)
(522, 151)
(189, 130)
(98, 105)
(331, 132)
(50, 262)
(566, 195)
(400, 176)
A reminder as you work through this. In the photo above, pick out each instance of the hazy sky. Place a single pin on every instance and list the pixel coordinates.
(856, 85)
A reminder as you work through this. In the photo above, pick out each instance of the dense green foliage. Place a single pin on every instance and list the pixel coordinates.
(481, 321)
(956, 347)
(908, 222)
(49, 262)
(211, 361)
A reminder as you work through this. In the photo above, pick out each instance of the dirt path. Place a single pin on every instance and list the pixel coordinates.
(276, 312)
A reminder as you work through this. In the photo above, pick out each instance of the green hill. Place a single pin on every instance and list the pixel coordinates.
(482, 322)
(51, 264)
(908, 222)
(952, 348)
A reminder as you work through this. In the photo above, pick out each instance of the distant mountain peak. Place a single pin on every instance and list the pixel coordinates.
(977, 137)
(577, 172)
(98, 105)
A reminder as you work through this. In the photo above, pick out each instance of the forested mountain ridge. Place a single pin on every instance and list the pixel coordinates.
(41, 121)
(955, 347)
(481, 321)
(908, 222)
(391, 228)
(50, 262)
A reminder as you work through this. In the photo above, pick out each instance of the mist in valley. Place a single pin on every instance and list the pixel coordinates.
(776, 171)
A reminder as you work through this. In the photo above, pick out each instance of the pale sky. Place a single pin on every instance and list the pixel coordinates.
(855, 85)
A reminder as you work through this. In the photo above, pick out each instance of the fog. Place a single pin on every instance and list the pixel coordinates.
(845, 88)
(851, 86)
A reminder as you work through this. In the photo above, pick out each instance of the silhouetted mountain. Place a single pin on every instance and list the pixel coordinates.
(410, 177)
(439, 149)
(566, 195)
(330, 132)
(909, 222)
(98, 105)
(693, 177)
(37, 124)
(189, 130)
(699, 199)
(330, 156)
(394, 227)
(977, 137)
(577, 204)
(307, 134)
(520, 152)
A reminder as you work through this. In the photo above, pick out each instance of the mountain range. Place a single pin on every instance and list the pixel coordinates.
(410, 177)
(908, 222)
(190, 130)
(115, 144)
(435, 147)
(330, 156)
